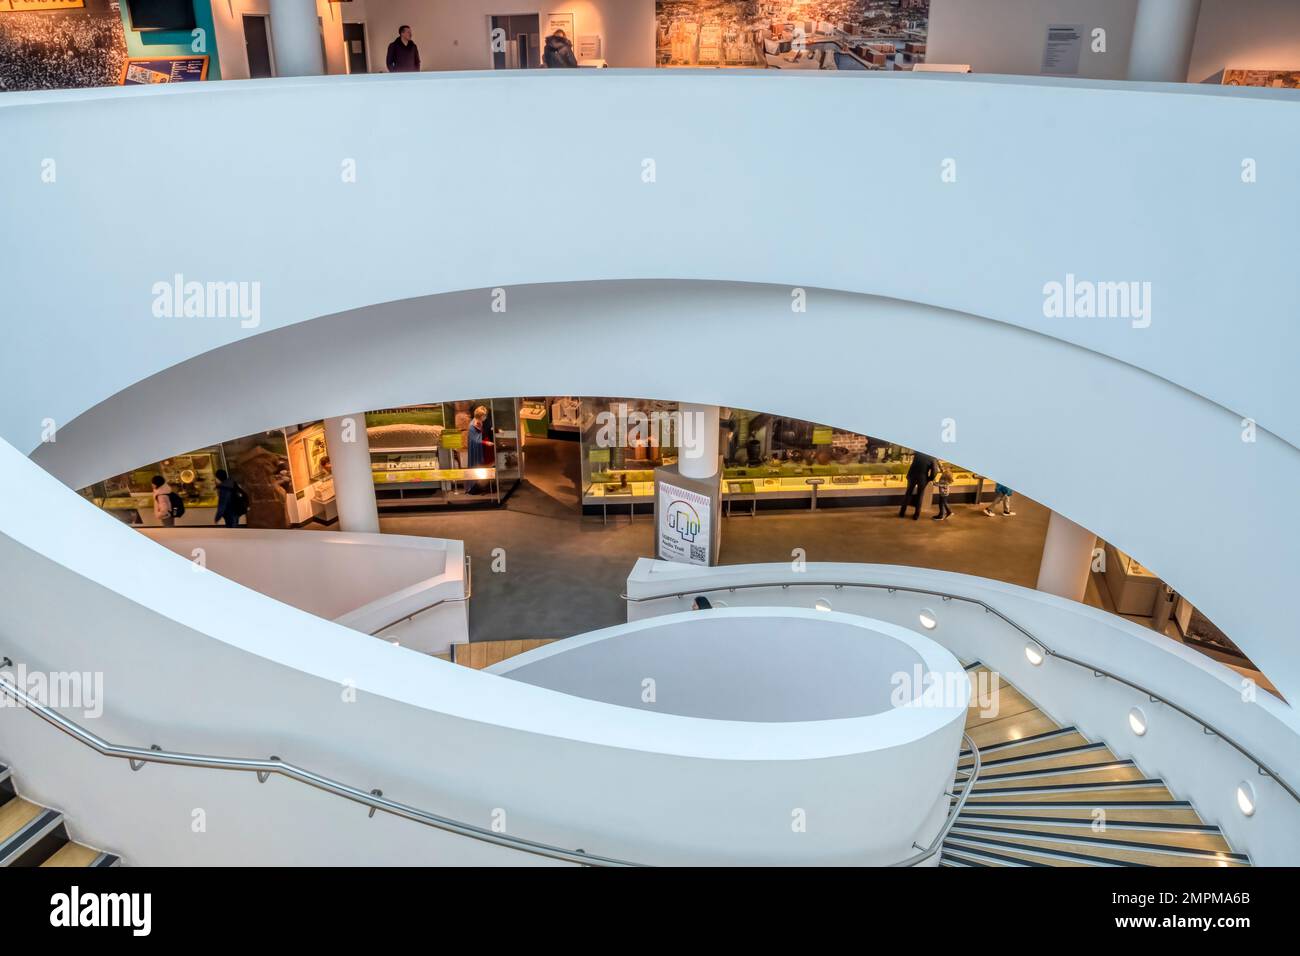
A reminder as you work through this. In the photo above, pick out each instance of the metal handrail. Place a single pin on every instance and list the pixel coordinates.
(374, 799)
(466, 593)
(1263, 768)
(953, 812)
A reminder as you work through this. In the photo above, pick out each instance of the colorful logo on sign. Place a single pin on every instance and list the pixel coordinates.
(683, 519)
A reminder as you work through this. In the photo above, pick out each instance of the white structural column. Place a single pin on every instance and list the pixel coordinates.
(1067, 558)
(698, 449)
(1163, 33)
(296, 38)
(354, 487)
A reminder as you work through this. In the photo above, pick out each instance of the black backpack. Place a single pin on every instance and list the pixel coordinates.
(177, 503)
(238, 501)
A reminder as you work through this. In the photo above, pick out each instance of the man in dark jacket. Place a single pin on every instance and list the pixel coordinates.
(403, 55)
(559, 51)
(230, 498)
(919, 475)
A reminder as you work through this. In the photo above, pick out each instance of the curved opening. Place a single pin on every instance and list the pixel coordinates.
(758, 665)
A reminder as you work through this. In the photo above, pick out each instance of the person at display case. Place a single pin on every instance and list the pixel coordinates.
(479, 442)
(165, 502)
(919, 475)
(558, 52)
(943, 482)
(1001, 495)
(403, 54)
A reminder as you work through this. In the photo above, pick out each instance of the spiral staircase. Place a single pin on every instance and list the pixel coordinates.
(1048, 796)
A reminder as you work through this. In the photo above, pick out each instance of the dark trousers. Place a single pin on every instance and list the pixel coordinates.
(943, 506)
(915, 491)
(232, 521)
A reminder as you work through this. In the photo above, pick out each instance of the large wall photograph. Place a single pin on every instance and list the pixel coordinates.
(56, 44)
(792, 34)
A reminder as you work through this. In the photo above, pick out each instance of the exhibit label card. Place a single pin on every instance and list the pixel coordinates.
(1061, 54)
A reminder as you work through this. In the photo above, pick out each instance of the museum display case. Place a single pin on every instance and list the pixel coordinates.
(623, 440)
(419, 455)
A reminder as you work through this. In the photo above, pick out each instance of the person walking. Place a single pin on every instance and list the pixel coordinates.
(919, 475)
(1001, 495)
(403, 54)
(164, 504)
(943, 483)
(232, 501)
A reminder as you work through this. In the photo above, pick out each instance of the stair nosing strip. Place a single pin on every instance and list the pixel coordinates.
(1002, 860)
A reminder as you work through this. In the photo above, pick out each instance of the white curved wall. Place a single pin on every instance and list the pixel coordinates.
(1121, 452)
(1195, 766)
(756, 178)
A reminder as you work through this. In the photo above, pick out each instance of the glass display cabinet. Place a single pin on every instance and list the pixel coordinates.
(420, 455)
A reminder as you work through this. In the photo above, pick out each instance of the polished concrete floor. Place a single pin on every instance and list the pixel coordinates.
(563, 573)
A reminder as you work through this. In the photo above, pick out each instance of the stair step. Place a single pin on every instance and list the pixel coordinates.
(971, 856)
(1060, 757)
(1136, 852)
(1005, 702)
(1015, 727)
(1136, 790)
(1020, 855)
(1156, 811)
(1110, 771)
(25, 829)
(1048, 740)
(72, 854)
(1198, 836)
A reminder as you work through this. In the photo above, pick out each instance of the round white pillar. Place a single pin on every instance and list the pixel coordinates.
(1163, 33)
(354, 486)
(296, 38)
(1067, 558)
(698, 447)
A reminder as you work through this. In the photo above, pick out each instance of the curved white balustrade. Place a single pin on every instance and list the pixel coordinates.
(414, 589)
(893, 699)
(1196, 766)
(196, 663)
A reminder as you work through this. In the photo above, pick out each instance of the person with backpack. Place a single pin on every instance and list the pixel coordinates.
(232, 500)
(167, 504)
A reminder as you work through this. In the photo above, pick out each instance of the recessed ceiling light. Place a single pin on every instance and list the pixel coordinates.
(1034, 655)
(928, 620)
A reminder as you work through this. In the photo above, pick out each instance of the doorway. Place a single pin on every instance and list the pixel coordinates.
(518, 44)
(355, 57)
(257, 43)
